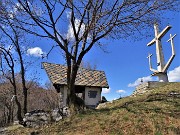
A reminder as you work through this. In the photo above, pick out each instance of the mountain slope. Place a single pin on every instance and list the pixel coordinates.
(156, 112)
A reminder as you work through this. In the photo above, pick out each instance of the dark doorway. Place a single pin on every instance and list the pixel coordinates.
(80, 91)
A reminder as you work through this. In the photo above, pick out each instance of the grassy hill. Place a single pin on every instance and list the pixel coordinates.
(156, 112)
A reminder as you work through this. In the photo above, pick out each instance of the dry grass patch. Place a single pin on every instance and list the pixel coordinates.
(156, 113)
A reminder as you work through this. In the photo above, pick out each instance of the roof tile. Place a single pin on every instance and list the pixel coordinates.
(85, 77)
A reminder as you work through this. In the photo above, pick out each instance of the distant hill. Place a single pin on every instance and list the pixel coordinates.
(154, 113)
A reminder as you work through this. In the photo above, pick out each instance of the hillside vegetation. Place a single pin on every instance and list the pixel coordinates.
(154, 113)
(38, 98)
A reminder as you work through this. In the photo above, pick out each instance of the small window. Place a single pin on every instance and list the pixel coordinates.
(92, 94)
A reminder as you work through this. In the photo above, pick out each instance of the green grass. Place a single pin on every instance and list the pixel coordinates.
(153, 113)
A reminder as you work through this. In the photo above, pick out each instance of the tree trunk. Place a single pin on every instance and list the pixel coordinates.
(5, 120)
(22, 78)
(25, 101)
(71, 87)
(19, 116)
(12, 113)
(19, 113)
(72, 69)
(24, 86)
(9, 114)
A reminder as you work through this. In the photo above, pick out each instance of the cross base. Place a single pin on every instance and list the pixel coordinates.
(161, 76)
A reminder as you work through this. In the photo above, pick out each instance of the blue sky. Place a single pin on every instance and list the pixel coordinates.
(125, 62)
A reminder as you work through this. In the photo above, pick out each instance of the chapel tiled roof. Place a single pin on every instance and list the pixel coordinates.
(85, 77)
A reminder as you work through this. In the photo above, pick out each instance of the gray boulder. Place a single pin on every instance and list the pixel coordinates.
(56, 115)
(37, 118)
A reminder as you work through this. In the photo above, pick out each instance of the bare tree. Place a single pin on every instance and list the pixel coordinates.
(6, 106)
(89, 21)
(15, 42)
(51, 98)
(9, 73)
(16, 38)
(88, 65)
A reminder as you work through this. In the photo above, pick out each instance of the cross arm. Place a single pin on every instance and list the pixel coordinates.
(171, 38)
(151, 42)
(150, 64)
(173, 54)
(160, 35)
(149, 56)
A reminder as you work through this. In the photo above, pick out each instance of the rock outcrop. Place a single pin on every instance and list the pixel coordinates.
(38, 118)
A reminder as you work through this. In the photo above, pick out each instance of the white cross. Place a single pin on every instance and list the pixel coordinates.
(159, 51)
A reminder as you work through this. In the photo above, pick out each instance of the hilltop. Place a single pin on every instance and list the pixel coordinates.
(156, 112)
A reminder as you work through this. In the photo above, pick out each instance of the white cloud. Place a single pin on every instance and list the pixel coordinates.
(174, 75)
(121, 91)
(70, 33)
(36, 51)
(106, 90)
(138, 81)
